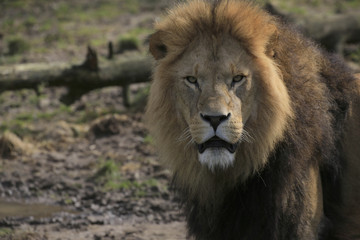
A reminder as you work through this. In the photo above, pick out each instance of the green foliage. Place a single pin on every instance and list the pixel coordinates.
(142, 93)
(121, 184)
(105, 11)
(148, 139)
(140, 32)
(10, 59)
(17, 45)
(2, 99)
(96, 42)
(132, 6)
(355, 56)
(128, 42)
(109, 176)
(46, 25)
(62, 11)
(18, 127)
(87, 116)
(108, 170)
(25, 117)
(65, 109)
(152, 182)
(28, 117)
(35, 98)
(21, 122)
(5, 232)
(149, 2)
(8, 24)
(29, 22)
(351, 4)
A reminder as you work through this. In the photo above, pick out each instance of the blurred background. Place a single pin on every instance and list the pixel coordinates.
(76, 161)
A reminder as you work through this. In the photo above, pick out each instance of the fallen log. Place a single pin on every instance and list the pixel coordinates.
(331, 32)
(121, 71)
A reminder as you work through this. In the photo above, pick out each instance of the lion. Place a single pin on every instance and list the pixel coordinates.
(259, 126)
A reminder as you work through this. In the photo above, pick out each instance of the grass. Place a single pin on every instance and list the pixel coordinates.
(108, 169)
(148, 139)
(5, 232)
(349, 4)
(29, 22)
(17, 127)
(355, 56)
(108, 175)
(21, 123)
(62, 25)
(140, 31)
(110, 178)
(132, 6)
(17, 45)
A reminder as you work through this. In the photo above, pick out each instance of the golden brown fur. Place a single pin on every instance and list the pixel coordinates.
(289, 108)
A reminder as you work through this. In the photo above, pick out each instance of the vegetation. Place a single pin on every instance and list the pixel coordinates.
(5, 232)
(127, 43)
(355, 56)
(73, 25)
(110, 178)
(17, 45)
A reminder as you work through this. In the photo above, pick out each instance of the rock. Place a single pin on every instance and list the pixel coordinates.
(11, 145)
(150, 217)
(108, 125)
(56, 157)
(130, 167)
(44, 103)
(98, 220)
(59, 131)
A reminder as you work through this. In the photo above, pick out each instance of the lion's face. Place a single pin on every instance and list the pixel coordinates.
(215, 93)
(218, 104)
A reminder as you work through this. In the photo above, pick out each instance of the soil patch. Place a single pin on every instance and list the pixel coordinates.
(90, 174)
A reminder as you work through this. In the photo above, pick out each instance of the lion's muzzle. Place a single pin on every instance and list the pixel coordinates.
(216, 142)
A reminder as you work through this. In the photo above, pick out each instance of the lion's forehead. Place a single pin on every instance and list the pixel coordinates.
(217, 58)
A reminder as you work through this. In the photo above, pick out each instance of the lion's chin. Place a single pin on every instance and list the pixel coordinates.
(216, 158)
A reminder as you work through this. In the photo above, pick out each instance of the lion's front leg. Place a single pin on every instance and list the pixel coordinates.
(302, 205)
(314, 203)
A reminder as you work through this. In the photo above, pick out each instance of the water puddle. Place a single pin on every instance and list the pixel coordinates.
(16, 209)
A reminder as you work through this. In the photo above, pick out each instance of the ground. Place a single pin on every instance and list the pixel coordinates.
(88, 170)
(82, 178)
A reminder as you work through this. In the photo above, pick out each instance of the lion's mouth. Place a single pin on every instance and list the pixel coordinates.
(216, 142)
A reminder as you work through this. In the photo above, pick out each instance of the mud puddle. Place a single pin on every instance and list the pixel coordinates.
(23, 210)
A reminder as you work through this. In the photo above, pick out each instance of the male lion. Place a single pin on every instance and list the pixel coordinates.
(259, 126)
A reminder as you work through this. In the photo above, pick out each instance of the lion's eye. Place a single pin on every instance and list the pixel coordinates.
(191, 79)
(239, 78)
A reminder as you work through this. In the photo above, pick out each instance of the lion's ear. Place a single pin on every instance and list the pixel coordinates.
(156, 46)
(271, 45)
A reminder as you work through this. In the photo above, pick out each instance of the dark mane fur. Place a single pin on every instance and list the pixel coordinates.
(313, 138)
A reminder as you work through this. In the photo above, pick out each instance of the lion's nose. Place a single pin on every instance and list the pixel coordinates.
(215, 120)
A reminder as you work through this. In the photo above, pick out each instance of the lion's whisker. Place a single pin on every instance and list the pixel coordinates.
(185, 135)
(245, 135)
(190, 142)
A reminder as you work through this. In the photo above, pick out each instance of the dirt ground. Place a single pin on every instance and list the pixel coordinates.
(94, 177)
